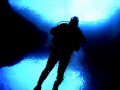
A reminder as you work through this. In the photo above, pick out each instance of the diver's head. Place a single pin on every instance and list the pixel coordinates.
(74, 21)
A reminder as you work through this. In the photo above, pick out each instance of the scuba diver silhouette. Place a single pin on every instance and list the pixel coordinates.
(67, 38)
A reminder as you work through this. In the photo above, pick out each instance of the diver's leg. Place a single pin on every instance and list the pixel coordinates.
(50, 64)
(61, 69)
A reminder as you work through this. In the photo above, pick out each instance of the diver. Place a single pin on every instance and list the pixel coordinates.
(67, 38)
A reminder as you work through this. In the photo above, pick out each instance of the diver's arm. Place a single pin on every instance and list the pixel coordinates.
(54, 31)
(82, 38)
(58, 29)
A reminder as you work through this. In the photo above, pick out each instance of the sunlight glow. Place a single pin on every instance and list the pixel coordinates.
(24, 76)
(54, 11)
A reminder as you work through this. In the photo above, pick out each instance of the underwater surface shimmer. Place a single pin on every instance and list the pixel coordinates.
(54, 11)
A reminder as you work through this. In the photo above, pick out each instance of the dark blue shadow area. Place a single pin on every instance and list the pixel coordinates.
(18, 36)
(102, 51)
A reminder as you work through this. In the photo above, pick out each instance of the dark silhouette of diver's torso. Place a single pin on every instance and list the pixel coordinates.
(66, 39)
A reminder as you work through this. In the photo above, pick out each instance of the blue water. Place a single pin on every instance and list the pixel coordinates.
(46, 14)
(54, 11)
(24, 75)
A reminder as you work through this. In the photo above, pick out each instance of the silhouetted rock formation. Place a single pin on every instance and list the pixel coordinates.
(18, 36)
